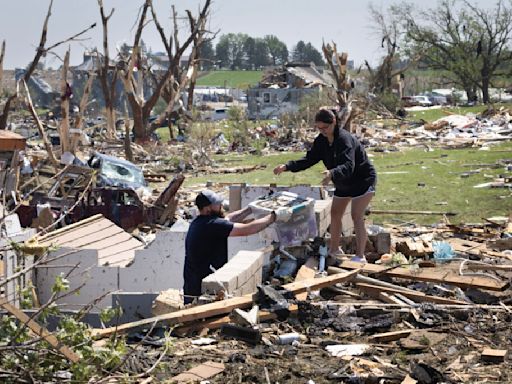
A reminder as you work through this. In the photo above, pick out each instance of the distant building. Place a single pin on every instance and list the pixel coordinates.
(281, 90)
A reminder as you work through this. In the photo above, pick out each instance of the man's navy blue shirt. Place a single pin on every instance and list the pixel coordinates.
(206, 244)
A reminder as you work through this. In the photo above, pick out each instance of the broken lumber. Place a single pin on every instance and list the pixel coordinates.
(225, 306)
(416, 296)
(406, 212)
(40, 331)
(307, 271)
(386, 337)
(217, 323)
(474, 248)
(494, 355)
(434, 275)
(369, 280)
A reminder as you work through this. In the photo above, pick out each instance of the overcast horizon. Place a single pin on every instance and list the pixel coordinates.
(347, 23)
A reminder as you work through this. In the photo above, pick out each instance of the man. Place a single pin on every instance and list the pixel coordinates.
(207, 238)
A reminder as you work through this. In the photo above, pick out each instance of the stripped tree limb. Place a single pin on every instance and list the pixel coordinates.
(140, 107)
(40, 128)
(108, 86)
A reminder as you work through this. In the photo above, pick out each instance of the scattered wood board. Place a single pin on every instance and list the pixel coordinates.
(386, 337)
(225, 306)
(307, 271)
(199, 373)
(494, 355)
(217, 323)
(436, 275)
(416, 296)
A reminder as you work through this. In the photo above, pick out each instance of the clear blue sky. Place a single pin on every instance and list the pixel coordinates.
(345, 22)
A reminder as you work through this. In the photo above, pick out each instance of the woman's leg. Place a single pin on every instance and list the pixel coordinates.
(359, 205)
(338, 206)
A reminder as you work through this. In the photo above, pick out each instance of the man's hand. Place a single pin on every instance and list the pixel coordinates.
(327, 178)
(283, 214)
(279, 169)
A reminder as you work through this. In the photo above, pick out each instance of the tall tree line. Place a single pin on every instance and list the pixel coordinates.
(241, 51)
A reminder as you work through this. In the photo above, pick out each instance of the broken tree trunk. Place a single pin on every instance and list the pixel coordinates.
(79, 120)
(225, 306)
(65, 95)
(2, 53)
(108, 86)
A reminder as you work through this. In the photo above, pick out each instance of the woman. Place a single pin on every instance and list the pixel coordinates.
(352, 173)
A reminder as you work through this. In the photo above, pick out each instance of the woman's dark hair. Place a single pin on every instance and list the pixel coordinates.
(326, 116)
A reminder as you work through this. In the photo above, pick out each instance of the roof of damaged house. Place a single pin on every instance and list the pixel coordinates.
(115, 246)
(11, 141)
(308, 73)
(304, 71)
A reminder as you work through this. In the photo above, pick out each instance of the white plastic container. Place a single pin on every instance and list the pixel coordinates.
(302, 224)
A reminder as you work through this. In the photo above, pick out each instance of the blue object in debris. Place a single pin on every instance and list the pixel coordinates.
(442, 251)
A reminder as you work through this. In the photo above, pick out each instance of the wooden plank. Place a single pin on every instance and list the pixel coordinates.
(225, 306)
(307, 271)
(494, 355)
(416, 296)
(474, 248)
(40, 331)
(436, 275)
(217, 323)
(386, 337)
(199, 374)
(391, 299)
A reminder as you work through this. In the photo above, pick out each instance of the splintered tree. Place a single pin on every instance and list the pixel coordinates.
(41, 51)
(180, 76)
(133, 71)
(106, 75)
(337, 63)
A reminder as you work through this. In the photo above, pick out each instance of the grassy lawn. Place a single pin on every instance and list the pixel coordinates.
(429, 181)
(230, 79)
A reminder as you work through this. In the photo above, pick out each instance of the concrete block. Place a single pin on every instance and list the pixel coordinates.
(322, 209)
(222, 279)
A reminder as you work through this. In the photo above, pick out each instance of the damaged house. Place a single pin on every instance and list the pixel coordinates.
(282, 90)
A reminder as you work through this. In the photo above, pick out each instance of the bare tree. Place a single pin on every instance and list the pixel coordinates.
(107, 75)
(140, 107)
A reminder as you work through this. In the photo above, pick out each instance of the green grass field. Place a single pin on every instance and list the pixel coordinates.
(408, 180)
(230, 79)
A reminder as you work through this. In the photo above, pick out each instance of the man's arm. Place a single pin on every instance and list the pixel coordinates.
(240, 229)
(238, 216)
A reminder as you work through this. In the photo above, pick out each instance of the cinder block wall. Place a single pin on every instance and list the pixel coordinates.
(239, 276)
(323, 218)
